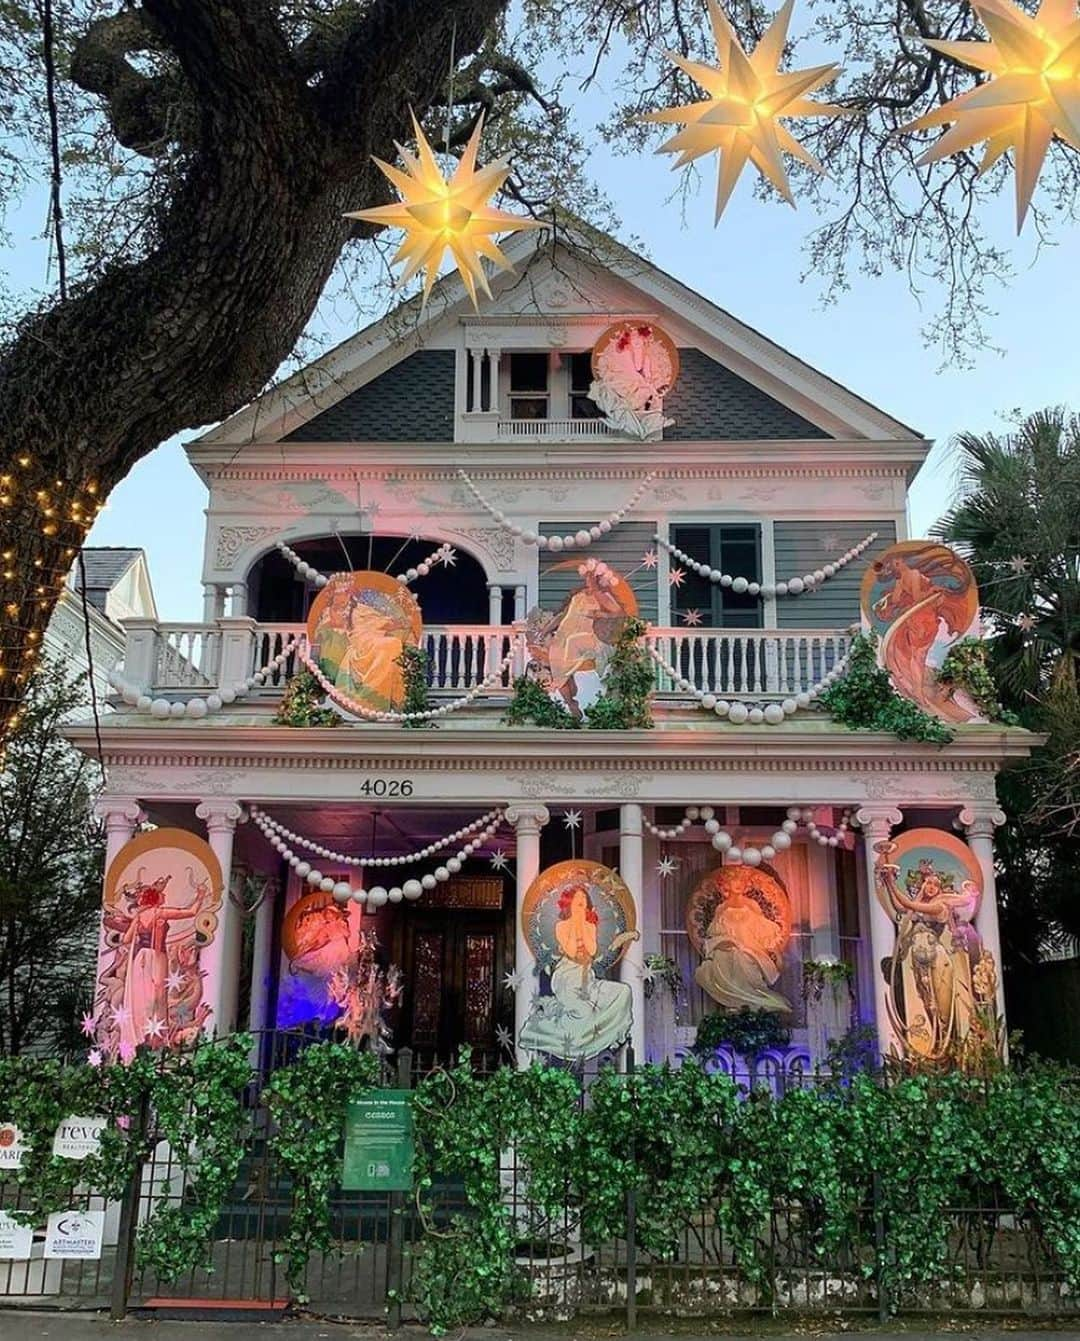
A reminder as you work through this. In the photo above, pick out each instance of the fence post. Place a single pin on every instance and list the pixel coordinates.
(631, 1210)
(124, 1269)
(395, 1237)
(879, 1251)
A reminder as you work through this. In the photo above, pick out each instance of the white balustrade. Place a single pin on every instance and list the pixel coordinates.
(557, 430)
(751, 663)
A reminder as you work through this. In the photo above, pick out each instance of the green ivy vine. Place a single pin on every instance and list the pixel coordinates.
(865, 700)
(415, 664)
(965, 667)
(307, 1102)
(302, 703)
(532, 705)
(625, 703)
(747, 1032)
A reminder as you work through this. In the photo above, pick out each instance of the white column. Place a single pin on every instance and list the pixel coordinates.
(121, 816)
(220, 960)
(493, 363)
(239, 599)
(519, 603)
(632, 964)
(209, 602)
(261, 967)
(878, 822)
(477, 356)
(495, 595)
(980, 820)
(527, 820)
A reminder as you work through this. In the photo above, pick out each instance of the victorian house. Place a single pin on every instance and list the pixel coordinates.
(505, 489)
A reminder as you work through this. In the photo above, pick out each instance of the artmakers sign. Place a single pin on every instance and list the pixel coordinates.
(77, 1137)
(15, 1240)
(11, 1146)
(75, 1234)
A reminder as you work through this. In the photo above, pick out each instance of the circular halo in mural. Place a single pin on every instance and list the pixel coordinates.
(579, 888)
(357, 628)
(163, 890)
(315, 935)
(638, 361)
(935, 875)
(919, 598)
(757, 889)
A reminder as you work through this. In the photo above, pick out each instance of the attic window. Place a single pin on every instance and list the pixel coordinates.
(581, 407)
(529, 386)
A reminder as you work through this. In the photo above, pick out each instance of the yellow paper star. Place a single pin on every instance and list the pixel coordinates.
(740, 119)
(439, 215)
(1033, 92)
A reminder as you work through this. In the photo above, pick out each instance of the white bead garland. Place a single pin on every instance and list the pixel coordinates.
(444, 554)
(302, 566)
(740, 713)
(793, 586)
(579, 539)
(477, 833)
(199, 706)
(351, 705)
(377, 895)
(748, 855)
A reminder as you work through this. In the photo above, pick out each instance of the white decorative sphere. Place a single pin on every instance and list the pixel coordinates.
(428, 881)
(604, 527)
(726, 580)
(595, 533)
(568, 542)
(227, 694)
(412, 889)
(394, 894)
(196, 707)
(781, 588)
(453, 865)
(130, 695)
(753, 588)
(738, 713)
(529, 537)
(555, 544)
(582, 539)
(793, 812)
(314, 877)
(376, 897)
(499, 516)
(819, 574)
(722, 840)
(303, 868)
(829, 570)
(774, 714)
(781, 841)
(756, 716)
(708, 701)
(723, 707)
(442, 874)
(796, 585)
(707, 812)
(790, 825)
(684, 685)
(734, 854)
(693, 813)
(752, 856)
(768, 589)
(789, 707)
(715, 574)
(342, 891)
(423, 569)
(144, 703)
(803, 699)
(809, 581)
(159, 707)
(712, 826)
(177, 709)
(327, 884)
(768, 852)
(213, 702)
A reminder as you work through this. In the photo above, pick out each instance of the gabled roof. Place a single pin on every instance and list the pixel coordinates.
(104, 565)
(284, 412)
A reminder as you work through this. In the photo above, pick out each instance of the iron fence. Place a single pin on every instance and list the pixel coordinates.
(998, 1260)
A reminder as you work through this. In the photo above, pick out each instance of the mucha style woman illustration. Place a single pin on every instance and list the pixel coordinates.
(581, 636)
(358, 626)
(739, 921)
(920, 598)
(585, 1014)
(942, 981)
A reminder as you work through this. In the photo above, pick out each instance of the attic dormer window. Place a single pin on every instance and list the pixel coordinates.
(581, 405)
(530, 386)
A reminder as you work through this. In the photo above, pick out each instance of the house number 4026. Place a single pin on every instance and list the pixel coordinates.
(386, 787)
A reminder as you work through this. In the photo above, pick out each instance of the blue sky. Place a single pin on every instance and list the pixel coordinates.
(750, 264)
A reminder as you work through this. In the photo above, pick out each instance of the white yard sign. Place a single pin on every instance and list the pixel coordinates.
(77, 1137)
(11, 1146)
(75, 1234)
(15, 1239)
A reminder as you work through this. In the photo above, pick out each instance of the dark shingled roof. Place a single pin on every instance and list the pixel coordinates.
(411, 402)
(105, 565)
(711, 403)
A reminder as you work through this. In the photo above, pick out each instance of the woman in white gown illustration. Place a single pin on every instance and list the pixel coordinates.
(584, 1015)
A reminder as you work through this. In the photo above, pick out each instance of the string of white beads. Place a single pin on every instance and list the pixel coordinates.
(557, 543)
(306, 571)
(444, 554)
(792, 586)
(199, 705)
(485, 827)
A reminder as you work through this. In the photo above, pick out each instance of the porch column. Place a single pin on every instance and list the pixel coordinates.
(121, 816)
(261, 969)
(493, 370)
(219, 961)
(519, 603)
(495, 595)
(980, 821)
(527, 820)
(213, 602)
(239, 599)
(632, 964)
(878, 822)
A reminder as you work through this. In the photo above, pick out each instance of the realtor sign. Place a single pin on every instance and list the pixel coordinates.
(11, 1147)
(15, 1240)
(75, 1234)
(77, 1137)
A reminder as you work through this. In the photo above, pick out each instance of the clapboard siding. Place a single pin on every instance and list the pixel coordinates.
(621, 549)
(802, 546)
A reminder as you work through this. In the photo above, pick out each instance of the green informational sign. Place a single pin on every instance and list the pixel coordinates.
(379, 1143)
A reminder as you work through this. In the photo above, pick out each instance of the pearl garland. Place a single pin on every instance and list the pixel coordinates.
(351, 705)
(199, 706)
(823, 839)
(748, 855)
(738, 712)
(343, 891)
(794, 586)
(693, 814)
(444, 554)
(485, 827)
(557, 543)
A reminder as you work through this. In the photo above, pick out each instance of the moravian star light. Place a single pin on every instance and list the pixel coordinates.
(441, 215)
(1031, 95)
(740, 119)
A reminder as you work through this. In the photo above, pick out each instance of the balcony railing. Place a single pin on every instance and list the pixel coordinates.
(555, 430)
(750, 663)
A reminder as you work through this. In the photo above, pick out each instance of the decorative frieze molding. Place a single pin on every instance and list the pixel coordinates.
(232, 540)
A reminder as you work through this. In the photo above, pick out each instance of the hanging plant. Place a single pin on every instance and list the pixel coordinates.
(965, 668)
(415, 666)
(817, 974)
(302, 704)
(747, 1032)
(532, 705)
(865, 700)
(625, 703)
(663, 971)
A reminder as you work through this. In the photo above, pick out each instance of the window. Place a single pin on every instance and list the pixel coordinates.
(581, 407)
(732, 549)
(529, 386)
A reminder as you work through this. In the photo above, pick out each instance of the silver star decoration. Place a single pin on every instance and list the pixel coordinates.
(692, 618)
(648, 559)
(155, 1028)
(666, 866)
(499, 860)
(413, 535)
(513, 981)
(829, 543)
(1025, 622)
(572, 819)
(676, 577)
(88, 1024)
(174, 981)
(448, 558)
(504, 1038)
(1019, 564)
(371, 509)
(648, 973)
(121, 1015)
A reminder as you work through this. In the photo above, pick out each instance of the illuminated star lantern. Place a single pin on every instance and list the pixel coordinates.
(440, 215)
(740, 118)
(1031, 95)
